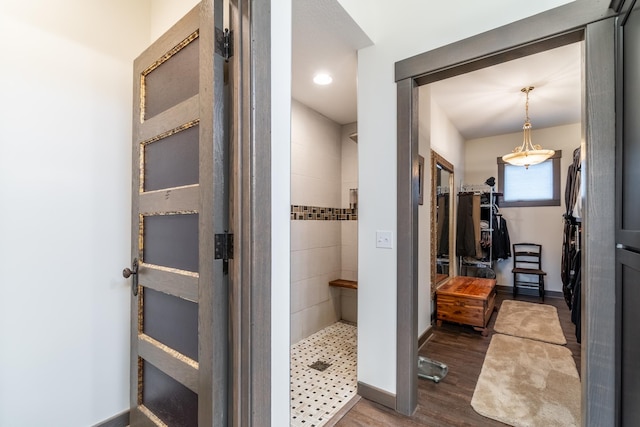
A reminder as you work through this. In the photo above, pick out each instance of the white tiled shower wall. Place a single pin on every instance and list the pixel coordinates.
(323, 168)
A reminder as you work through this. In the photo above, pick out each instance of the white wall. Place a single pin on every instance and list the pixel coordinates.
(280, 208)
(435, 132)
(65, 169)
(543, 224)
(165, 13)
(399, 29)
(447, 141)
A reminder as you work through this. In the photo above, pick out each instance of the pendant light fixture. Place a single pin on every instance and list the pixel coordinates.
(527, 154)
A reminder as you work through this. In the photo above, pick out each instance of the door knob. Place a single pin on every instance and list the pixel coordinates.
(133, 271)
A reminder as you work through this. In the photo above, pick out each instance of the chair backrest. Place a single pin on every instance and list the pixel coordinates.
(527, 255)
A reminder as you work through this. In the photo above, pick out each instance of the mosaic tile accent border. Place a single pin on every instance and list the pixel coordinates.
(317, 213)
(317, 396)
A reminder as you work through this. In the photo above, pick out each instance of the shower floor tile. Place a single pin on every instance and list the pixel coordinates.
(316, 396)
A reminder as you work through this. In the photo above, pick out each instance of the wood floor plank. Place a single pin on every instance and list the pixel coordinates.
(448, 403)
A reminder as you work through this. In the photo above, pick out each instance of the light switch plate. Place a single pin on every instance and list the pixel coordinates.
(384, 239)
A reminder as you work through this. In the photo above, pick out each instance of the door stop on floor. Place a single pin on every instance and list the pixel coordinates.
(431, 369)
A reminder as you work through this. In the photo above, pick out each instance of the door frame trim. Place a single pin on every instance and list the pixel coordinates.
(534, 34)
(250, 302)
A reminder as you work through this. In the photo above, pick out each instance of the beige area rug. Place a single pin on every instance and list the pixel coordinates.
(528, 383)
(527, 320)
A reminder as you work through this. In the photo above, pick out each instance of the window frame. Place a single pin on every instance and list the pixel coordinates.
(554, 201)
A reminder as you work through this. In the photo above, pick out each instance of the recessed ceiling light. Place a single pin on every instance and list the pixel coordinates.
(322, 79)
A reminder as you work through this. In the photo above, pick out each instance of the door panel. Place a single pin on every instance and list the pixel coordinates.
(179, 317)
(629, 270)
(171, 320)
(628, 147)
(169, 400)
(172, 78)
(631, 128)
(171, 161)
(628, 219)
(171, 241)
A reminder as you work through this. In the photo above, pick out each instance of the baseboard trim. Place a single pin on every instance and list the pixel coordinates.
(425, 336)
(377, 395)
(119, 420)
(528, 292)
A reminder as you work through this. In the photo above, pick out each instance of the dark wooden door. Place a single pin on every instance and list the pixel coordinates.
(179, 316)
(628, 218)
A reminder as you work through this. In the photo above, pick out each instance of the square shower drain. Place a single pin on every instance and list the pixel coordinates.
(320, 365)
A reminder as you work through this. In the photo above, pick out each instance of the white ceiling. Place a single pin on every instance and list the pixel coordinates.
(325, 38)
(483, 103)
(489, 101)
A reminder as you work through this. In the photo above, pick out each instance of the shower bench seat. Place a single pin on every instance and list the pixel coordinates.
(341, 283)
(348, 291)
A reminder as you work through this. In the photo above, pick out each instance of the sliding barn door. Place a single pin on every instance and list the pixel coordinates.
(628, 218)
(179, 316)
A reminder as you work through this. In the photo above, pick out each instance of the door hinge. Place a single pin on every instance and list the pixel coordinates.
(224, 43)
(224, 249)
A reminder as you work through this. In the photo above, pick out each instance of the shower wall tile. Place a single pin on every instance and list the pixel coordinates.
(308, 292)
(349, 250)
(315, 161)
(308, 127)
(314, 318)
(313, 191)
(304, 293)
(349, 258)
(319, 213)
(349, 172)
(320, 316)
(349, 275)
(315, 262)
(296, 320)
(349, 233)
(349, 305)
(323, 169)
(316, 153)
(299, 235)
(323, 233)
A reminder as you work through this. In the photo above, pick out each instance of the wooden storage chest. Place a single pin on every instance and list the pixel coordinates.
(466, 300)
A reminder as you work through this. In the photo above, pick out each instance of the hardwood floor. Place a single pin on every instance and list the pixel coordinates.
(448, 403)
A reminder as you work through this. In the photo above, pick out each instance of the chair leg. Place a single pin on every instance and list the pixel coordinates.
(514, 285)
(541, 286)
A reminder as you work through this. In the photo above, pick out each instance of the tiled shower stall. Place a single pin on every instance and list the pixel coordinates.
(324, 230)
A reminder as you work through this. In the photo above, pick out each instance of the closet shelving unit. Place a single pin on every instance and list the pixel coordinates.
(487, 233)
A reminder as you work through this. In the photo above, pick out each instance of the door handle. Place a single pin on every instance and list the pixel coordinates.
(133, 271)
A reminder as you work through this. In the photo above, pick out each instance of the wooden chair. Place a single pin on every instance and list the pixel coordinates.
(527, 262)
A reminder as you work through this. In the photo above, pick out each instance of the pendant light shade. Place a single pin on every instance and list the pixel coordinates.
(527, 154)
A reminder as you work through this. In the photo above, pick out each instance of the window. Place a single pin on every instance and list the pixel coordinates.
(537, 186)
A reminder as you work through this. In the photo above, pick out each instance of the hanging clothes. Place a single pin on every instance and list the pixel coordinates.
(477, 233)
(501, 241)
(575, 285)
(465, 236)
(572, 219)
(443, 224)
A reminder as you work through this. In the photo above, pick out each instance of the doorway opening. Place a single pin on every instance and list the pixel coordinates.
(324, 211)
(466, 134)
(476, 53)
